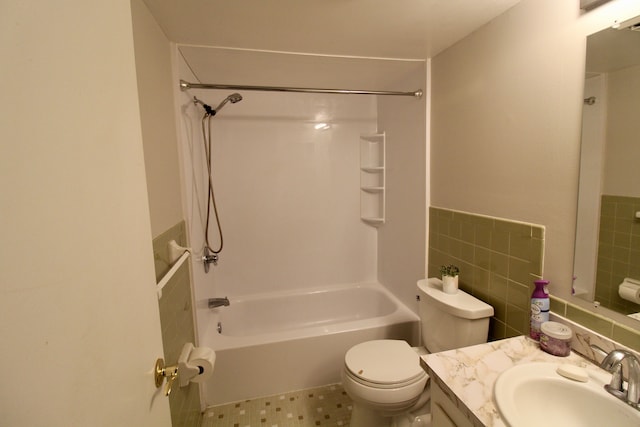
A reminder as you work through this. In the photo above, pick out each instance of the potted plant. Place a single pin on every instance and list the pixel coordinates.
(449, 278)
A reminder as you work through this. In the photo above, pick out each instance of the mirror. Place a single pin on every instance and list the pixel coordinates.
(607, 246)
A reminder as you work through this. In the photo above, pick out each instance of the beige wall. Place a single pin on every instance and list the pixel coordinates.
(80, 327)
(506, 121)
(622, 171)
(155, 89)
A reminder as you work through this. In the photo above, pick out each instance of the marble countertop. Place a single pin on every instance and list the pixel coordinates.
(467, 375)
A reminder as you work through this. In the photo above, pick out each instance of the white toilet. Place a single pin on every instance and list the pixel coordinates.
(384, 377)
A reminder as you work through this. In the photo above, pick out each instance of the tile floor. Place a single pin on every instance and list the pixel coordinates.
(322, 406)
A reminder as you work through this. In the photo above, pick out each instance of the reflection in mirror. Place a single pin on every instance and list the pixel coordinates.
(591, 4)
(608, 223)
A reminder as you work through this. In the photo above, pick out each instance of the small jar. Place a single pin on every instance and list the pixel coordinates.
(555, 338)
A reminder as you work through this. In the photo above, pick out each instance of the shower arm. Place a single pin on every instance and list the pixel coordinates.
(210, 111)
(184, 85)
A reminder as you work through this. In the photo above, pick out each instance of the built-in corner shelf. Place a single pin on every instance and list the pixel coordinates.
(372, 178)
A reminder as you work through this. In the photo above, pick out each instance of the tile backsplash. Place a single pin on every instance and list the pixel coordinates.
(601, 325)
(498, 260)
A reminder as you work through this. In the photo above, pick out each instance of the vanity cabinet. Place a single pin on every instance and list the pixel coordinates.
(372, 178)
(444, 412)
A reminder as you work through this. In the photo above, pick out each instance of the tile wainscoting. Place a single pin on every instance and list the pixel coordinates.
(498, 261)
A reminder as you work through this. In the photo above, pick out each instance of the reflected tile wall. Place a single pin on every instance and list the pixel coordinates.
(618, 250)
(623, 334)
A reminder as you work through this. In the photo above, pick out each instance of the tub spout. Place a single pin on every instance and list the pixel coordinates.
(218, 302)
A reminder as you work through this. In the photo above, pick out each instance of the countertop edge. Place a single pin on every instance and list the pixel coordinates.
(467, 375)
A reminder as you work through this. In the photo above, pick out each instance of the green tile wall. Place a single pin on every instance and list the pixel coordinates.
(498, 259)
(177, 322)
(618, 250)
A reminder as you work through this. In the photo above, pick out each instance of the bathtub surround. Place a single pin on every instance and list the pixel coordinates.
(498, 260)
(177, 324)
(275, 176)
(270, 155)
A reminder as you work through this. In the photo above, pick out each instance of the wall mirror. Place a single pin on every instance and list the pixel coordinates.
(607, 248)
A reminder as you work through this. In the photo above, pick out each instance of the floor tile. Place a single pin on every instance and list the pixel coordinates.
(322, 406)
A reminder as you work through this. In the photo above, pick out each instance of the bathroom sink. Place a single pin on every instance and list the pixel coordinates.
(534, 393)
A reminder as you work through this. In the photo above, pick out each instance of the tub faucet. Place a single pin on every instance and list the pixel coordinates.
(218, 302)
(613, 363)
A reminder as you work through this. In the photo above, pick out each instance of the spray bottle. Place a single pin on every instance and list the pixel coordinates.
(539, 308)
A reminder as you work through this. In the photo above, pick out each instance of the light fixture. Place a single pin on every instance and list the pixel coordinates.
(322, 126)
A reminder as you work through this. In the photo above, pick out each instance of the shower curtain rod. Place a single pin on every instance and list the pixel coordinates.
(184, 85)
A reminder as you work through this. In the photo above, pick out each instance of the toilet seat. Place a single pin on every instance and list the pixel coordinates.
(384, 364)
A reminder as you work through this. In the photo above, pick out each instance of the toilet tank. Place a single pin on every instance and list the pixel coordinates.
(451, 321)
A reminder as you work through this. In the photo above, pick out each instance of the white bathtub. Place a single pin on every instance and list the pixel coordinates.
(279, 342)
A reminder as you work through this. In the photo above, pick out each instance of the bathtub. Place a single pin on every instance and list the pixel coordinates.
(273, 343)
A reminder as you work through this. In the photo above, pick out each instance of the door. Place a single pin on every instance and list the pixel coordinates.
(79, 329)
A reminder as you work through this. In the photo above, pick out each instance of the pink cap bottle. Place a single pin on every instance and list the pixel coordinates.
(539, 308)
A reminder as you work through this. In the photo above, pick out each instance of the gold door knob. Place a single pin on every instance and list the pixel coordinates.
(161, 372)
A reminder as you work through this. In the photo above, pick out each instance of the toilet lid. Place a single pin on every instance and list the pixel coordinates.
(384, 362)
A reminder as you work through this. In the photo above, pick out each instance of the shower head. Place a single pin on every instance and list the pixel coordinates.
(233, 98)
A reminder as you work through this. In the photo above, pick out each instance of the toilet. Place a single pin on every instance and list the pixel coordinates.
(384, 377)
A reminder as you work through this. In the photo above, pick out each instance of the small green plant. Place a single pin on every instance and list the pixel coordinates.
(449, 270)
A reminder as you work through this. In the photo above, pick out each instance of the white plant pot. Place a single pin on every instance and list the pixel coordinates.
(450, 284)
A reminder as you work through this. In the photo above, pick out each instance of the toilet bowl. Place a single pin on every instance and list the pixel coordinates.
(384, 377)
(380, 389)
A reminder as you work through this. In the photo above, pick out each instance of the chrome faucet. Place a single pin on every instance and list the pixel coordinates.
(218, 302)
(613, 363)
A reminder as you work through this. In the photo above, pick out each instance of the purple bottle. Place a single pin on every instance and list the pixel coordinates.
(539, 308)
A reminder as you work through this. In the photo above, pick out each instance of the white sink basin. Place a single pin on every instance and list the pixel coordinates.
(534, 394)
